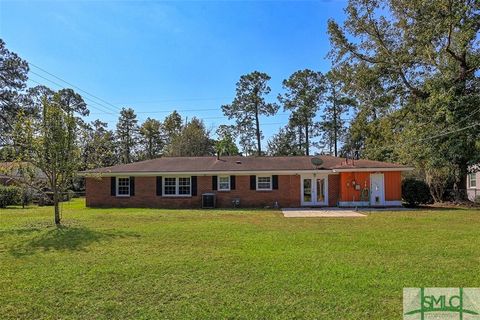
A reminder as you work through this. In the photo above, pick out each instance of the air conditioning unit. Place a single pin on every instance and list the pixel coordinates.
(208, 200)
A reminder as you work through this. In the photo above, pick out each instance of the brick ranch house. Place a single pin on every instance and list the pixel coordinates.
(294, 181)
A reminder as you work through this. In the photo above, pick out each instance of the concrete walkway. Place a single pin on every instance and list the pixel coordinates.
(320, 213)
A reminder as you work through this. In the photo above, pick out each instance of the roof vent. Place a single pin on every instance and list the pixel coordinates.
(238, 162)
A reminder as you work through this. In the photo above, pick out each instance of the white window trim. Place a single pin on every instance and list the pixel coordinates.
(117, 187)
(177, 187)
(265, 189)
(469, 176)
(229, 183)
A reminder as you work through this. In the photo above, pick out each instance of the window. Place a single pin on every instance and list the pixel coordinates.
(472, 180)
(224, 183)
(123, 187)
(170, 186)
(177, 186)
(184, 186)
(264, 183)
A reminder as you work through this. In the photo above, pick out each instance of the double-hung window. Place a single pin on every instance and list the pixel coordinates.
(264, 182)
(170, 186)
(177, 186)
(123, 187)
(472, 180)
(184, 186)
(224, 183)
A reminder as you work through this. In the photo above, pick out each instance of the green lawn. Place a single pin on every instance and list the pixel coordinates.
(245, 264)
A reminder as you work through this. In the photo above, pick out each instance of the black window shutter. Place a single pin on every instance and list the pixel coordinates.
(159, 186)
(232, 182)
(275, 182)
(132, 186)
(253, 182)
(113, 186)
(214, 182)
(194, 185)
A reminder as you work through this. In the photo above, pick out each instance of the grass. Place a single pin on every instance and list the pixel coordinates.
(237, 264)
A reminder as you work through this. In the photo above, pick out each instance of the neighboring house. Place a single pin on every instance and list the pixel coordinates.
(13, 172)
(7, 173)
(180, 182)
(473, 185)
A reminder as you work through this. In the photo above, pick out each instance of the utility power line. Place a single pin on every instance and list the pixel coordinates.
(164, 111)
(429, 138)
(174, 100)
(107, 108)
(74, 86)
(112, 109)
(92, 106)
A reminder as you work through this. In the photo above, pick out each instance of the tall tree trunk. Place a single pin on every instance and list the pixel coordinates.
(56, 207)
(150, 148)
(257, 123)
(300, 137)
(307, 142)
(335, 134)
(461, 179)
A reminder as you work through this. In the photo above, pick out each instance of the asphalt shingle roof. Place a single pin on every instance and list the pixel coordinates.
(242, 164)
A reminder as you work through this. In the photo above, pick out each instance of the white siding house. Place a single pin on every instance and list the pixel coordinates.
(473, 186)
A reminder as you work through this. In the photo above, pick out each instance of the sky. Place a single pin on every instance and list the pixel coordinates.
(159, 56)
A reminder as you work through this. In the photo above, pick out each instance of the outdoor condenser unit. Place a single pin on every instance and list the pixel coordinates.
(208, 200)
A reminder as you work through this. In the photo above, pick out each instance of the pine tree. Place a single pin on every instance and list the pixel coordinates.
(303, 96)
(333, 127)
(247, 107)
(151, 139)
(127, 135)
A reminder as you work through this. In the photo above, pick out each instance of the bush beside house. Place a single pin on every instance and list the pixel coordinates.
(10, 195)
(415, 192)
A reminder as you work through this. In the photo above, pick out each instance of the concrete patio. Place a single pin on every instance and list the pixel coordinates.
(335, 212)
(321, 213)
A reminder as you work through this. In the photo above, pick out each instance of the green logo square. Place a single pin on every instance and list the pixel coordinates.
(441, 303)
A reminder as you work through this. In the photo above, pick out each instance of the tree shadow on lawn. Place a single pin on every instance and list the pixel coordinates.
(63, 239)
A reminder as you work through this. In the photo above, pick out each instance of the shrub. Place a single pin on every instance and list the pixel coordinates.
(27, 197)
(415, 192)
(10, 195)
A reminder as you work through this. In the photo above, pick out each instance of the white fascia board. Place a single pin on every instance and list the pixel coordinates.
(373, 169)
(205, 173)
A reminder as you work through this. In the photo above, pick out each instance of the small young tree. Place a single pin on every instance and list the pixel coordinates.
(50, 146)
(249, 104)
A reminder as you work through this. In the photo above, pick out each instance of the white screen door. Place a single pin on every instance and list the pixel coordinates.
(377, 190)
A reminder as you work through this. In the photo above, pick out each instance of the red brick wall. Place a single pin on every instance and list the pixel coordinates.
(287, 194)
(333, 189)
